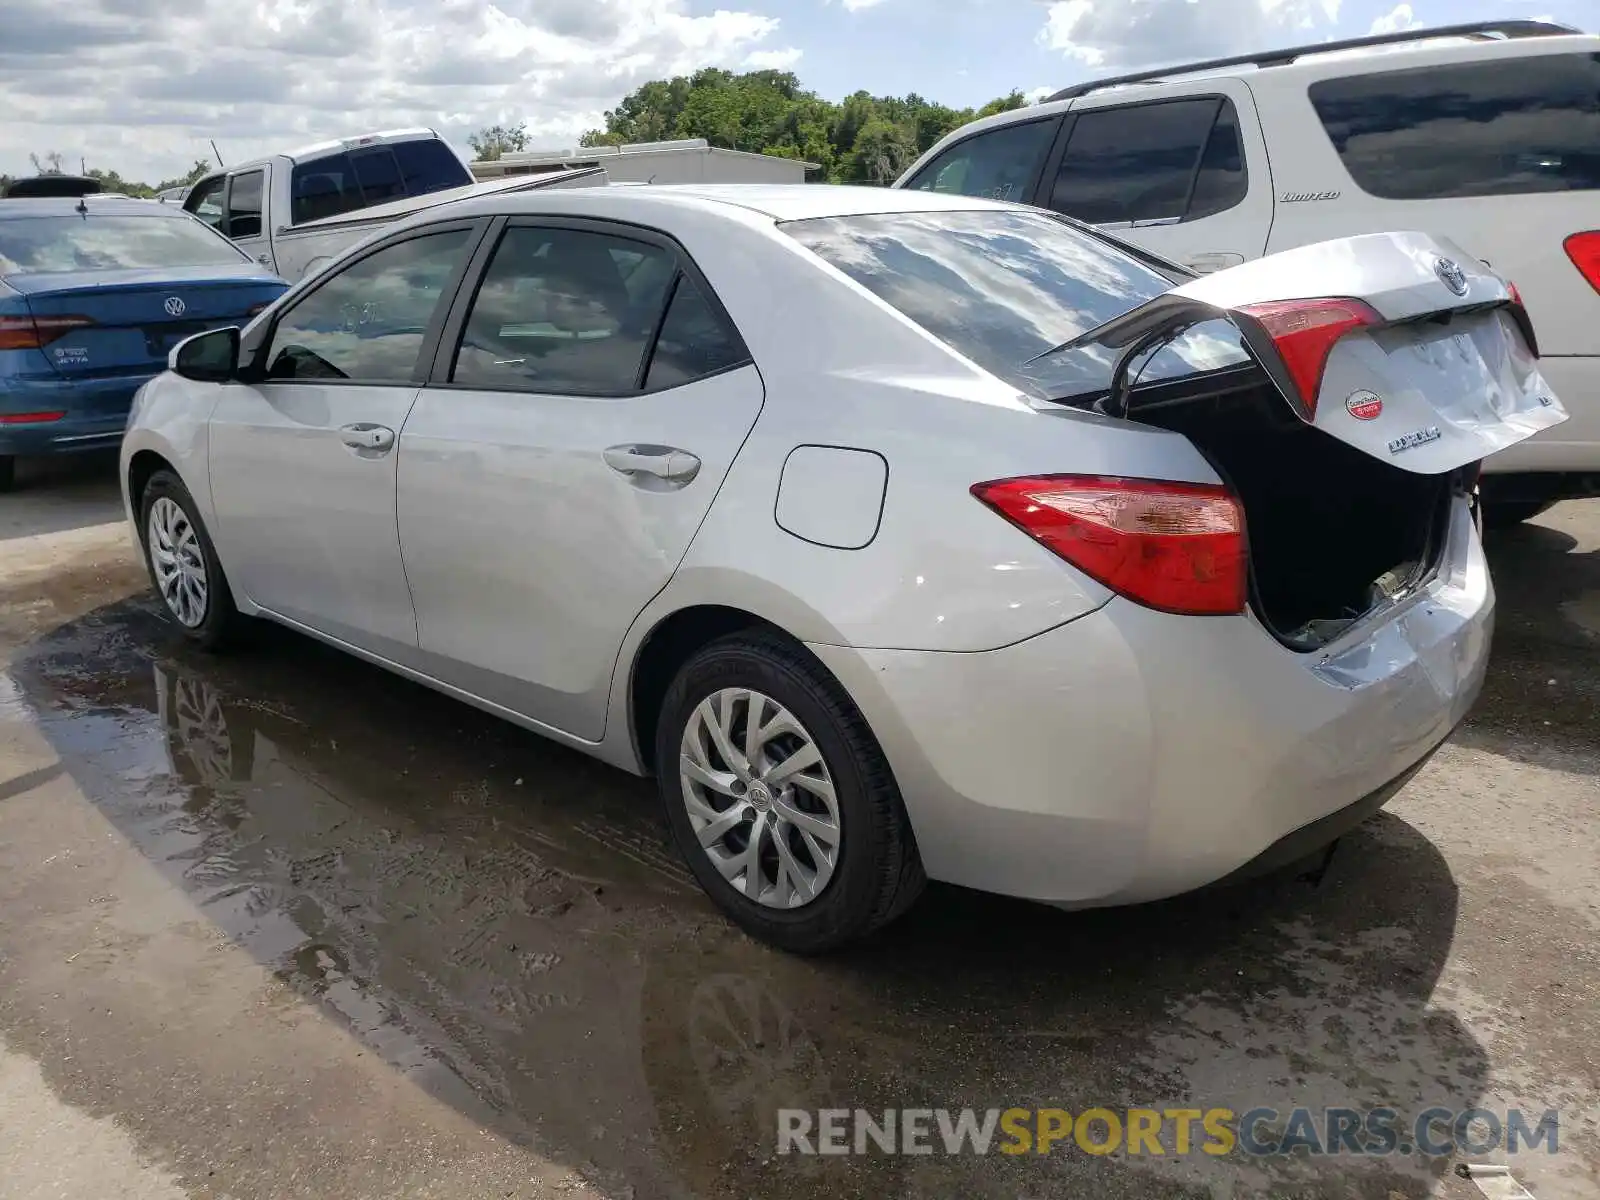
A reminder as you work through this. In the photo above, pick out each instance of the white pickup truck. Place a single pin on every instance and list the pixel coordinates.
(293, 212)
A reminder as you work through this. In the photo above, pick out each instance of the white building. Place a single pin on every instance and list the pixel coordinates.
(690, 160)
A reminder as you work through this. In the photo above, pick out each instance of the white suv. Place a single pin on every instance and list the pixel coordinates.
(1486, 133)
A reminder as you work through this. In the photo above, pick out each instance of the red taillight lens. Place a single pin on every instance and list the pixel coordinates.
(30, 333)
(1304, 331)
(33, 418)
(1177, 547)
(1516, 296)
(1584, 251)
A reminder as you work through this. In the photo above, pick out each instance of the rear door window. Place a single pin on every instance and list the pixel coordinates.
(243, 216)
(1169, 161)
(555, 313)
(324, 187)
(998, 164)
(1492, 128)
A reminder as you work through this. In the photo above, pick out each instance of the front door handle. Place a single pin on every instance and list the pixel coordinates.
(661, 462)
(363, 436)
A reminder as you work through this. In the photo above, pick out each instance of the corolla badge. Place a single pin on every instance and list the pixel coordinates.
(1451, 275)
(1364, 406)
(174, 306)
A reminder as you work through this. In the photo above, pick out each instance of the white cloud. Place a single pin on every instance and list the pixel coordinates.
(141, 85)
(856, 5)
(1137, 33)
(1395, 21)
(1035, 95)
(772, 60)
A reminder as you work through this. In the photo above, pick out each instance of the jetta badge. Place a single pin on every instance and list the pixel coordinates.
(174, 306)
(1451, 275)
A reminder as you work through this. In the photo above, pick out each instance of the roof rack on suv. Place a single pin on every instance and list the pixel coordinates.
(1278, 58)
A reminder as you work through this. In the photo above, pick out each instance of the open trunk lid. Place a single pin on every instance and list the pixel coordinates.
(1400, 345)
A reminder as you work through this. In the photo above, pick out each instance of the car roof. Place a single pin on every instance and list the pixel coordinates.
(780, 202)
(66, 206)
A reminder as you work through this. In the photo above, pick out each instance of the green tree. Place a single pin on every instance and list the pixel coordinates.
(861, 139)
(1004, 104)
(202, 167)
(497, 140)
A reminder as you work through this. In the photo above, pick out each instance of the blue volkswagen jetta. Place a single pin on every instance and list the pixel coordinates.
(93, 293)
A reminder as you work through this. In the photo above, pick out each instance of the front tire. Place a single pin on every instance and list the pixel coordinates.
(779, 797)
(183, 564)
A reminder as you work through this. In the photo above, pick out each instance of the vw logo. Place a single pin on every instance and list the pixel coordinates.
(1451, 275)
(174, 306)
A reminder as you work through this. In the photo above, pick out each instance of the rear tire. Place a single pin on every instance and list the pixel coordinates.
(8, 472)
(183, 564)
(793, 895)
(1506, 514)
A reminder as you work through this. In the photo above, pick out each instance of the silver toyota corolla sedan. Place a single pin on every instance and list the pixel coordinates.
(898, 535)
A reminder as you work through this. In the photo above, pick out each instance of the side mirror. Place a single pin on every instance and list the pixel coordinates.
(211, 357)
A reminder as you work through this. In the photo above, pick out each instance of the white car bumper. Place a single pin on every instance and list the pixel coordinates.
(1131, 755)
(1574, 445)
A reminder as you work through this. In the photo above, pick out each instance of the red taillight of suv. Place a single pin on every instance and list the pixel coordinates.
(1304, 331)
(33, 333)
(1584, 251)
(1177, 547)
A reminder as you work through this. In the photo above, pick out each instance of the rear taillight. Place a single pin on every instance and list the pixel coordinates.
(1516, 296)
(1304, 331)
(31, 333)
(1584, 251)
(1177, 547)
(30, 418)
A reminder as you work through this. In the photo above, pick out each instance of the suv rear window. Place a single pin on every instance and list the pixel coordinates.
(108, 243)
(1004, 288)
(1516, 125)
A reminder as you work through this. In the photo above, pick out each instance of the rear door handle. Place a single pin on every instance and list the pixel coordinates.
(661, 462)
(363, 436)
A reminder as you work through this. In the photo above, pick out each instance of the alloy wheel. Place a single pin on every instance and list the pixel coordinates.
(177, 562)
(760, 798)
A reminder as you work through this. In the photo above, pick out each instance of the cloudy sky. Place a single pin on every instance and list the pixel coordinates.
(140, 85)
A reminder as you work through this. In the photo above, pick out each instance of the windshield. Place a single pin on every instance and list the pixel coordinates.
(107, 243)
(1005, 287)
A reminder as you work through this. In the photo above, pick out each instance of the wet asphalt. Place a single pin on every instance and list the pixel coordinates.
(280, 924)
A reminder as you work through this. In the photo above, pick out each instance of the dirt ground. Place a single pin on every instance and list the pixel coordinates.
(281, 925)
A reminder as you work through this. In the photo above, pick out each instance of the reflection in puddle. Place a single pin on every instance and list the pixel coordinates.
(504, 922)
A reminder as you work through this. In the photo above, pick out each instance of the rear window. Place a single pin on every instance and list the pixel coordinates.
(1003, 288)
(429, 166)
(341, 183)
(104, 243)
(1511, 126)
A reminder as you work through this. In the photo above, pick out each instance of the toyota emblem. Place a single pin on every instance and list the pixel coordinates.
(174, 306)
(1451, 275)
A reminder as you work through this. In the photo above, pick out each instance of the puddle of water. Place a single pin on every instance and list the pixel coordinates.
(535, 954)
